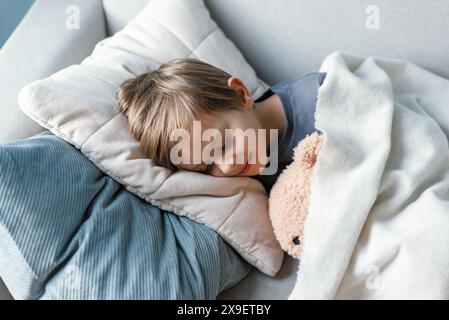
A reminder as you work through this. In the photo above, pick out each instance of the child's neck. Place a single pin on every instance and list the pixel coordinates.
(270, 113)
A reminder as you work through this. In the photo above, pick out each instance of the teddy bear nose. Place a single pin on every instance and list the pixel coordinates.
(296, 241)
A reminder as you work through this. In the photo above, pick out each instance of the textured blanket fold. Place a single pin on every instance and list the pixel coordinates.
(378, 222)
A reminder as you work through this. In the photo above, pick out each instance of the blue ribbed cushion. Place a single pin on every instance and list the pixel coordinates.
(67, 231)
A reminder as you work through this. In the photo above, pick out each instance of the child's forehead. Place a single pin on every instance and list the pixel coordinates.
(220, 117)
(216, 120)
(207, 130)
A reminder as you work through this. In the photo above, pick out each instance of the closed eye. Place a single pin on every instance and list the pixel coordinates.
(206, 168)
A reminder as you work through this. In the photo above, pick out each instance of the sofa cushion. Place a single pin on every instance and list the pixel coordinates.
(284, 39)
(77, 104)
(4, 293)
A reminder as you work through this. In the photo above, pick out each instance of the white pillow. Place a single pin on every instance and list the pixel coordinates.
(77, 105)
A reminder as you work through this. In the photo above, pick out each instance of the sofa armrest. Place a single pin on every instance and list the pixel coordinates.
(40, 46)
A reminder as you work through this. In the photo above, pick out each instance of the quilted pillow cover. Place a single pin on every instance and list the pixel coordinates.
(77, 105)
(68, 231)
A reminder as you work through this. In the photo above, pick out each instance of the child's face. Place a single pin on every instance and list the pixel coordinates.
(231, 163)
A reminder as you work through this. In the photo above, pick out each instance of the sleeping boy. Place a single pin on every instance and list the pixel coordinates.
(185, 92)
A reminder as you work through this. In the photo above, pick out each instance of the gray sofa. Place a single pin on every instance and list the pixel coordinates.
(280, 39)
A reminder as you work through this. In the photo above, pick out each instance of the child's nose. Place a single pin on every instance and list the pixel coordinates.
(227, 164)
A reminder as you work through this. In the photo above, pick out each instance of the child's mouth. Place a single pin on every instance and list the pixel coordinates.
(245, 169)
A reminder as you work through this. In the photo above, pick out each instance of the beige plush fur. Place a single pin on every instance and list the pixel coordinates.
(289, 197)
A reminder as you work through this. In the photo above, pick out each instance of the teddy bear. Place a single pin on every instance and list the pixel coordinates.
(289, 197)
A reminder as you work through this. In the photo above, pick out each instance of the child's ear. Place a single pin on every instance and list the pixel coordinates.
(238, 85)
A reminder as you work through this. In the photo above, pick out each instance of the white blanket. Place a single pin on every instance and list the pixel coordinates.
(378, 223)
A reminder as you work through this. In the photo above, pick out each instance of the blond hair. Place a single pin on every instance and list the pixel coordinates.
(172, 97)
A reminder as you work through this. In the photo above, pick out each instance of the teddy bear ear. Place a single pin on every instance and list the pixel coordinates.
(296, 241)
